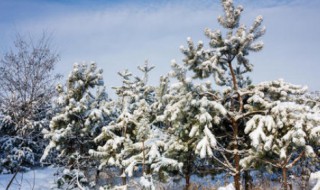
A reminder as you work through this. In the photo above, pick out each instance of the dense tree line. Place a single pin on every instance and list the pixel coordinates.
(183, 126)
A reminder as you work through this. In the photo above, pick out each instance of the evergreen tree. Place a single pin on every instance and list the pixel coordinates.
(131, 140)
(219, 61)
(244, 104)
(286, 129)
(81, 114)
(190, 113)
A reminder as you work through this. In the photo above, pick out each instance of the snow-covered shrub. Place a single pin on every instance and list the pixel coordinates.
(72, 180)
(147, 182)
(16, 154)
(21, 142)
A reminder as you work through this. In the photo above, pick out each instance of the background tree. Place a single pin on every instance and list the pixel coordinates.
(26, 88)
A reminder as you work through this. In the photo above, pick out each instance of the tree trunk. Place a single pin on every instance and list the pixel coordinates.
(305, 175)
(143, 159)
(187, 177)
(97, 176)
(124, 179)
(247, 180)
(188, 171)
(284, 178)
(237, 176)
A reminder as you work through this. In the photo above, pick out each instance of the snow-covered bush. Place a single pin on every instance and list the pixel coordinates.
(16, 154)
(72, 180)
(21, 140)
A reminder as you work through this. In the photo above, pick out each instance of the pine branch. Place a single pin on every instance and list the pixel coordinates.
(296, 160)
(277, 165)
(249, 114)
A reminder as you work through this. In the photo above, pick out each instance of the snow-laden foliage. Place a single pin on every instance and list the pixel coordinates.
(245, 118)
(284, 129)
(315, 180)
(72, 180)
(185, 125)
(146, 182)
(189, 112)
(235, 45)
(21, 141)
(218, 61)
(83, 108)
(196, 115)
(131, 140)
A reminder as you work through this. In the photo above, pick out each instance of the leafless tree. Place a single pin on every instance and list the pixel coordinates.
(27, 77)
(27, 85)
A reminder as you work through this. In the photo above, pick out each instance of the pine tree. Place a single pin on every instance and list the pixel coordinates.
(131, 140)
(83, 108)
(189, 116)
(115, 135)
(286, 129)
(219, 61)
(245, 104)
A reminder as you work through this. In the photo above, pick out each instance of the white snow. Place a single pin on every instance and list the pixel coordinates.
(38, 179)
(228, 187)
(315, 180)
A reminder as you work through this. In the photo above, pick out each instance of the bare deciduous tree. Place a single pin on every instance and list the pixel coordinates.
(26, 87)
(26, 74)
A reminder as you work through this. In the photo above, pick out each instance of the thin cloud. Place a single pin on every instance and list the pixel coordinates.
(123, 35)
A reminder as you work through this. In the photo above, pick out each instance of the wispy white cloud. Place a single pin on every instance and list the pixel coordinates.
(120, 36)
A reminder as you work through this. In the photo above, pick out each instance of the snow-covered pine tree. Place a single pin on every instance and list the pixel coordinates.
(114, 135)
(83, 108)
(285, 130)
(131, 140)
(190, 112)
(226, 61)
(244, 103)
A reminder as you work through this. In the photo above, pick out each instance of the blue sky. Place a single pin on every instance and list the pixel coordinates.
(122, 34)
